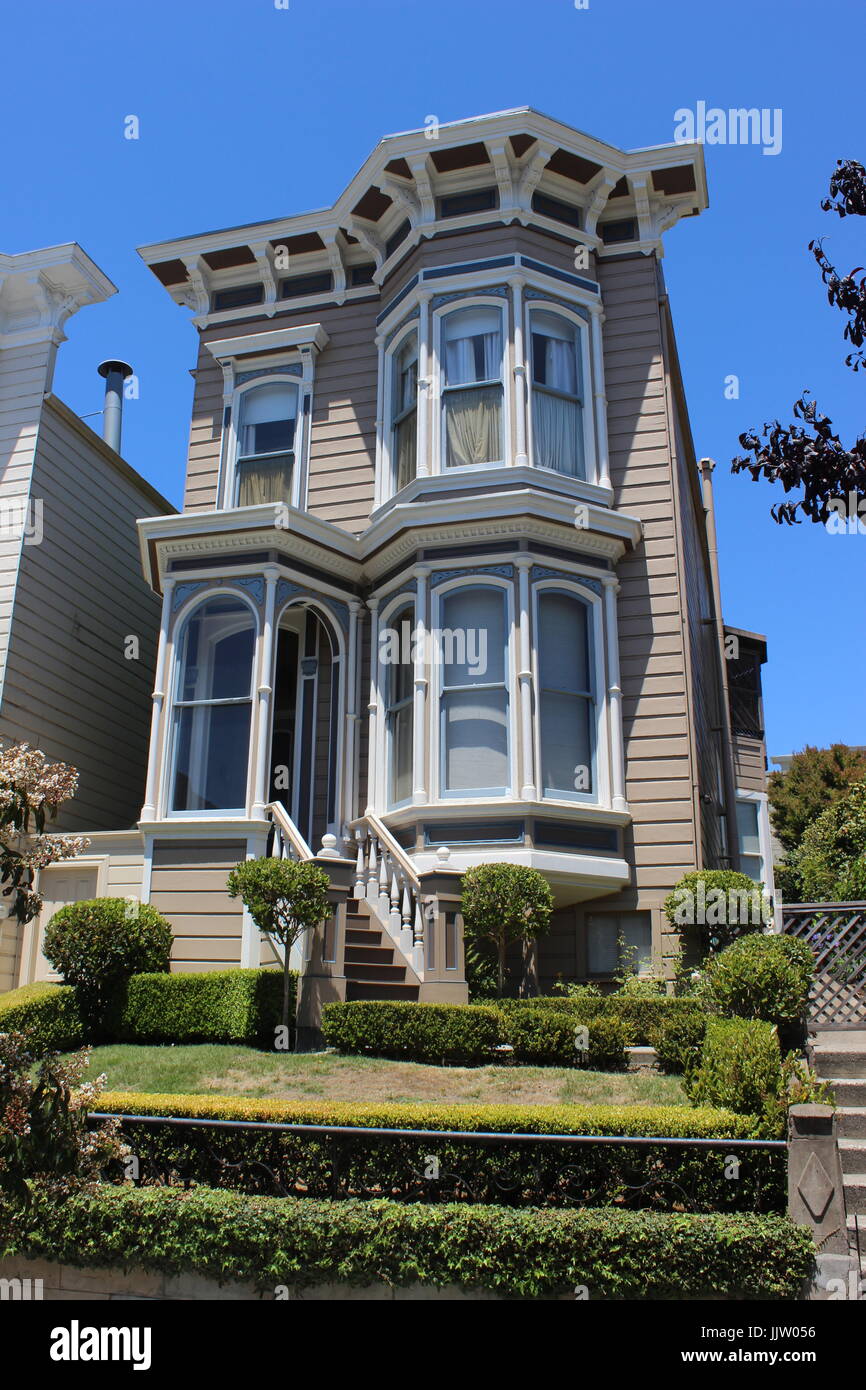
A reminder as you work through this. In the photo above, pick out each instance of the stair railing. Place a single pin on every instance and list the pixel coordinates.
(288, 842)
(385, 878)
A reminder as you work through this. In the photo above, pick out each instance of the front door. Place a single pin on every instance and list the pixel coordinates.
(58, 887)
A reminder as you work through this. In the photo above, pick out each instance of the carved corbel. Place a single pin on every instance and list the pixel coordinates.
(600, 191)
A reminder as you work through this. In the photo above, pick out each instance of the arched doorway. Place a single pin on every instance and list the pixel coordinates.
(305, 727)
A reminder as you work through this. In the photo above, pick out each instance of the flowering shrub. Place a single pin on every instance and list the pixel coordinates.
(44, 1139)
(31, 790)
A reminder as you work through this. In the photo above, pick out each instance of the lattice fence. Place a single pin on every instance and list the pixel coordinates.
(836, 933)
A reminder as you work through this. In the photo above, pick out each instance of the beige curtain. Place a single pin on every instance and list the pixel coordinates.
(474, 426)
(260, 482)
(406, 442)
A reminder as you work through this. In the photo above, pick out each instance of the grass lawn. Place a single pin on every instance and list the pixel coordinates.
(242, 1071)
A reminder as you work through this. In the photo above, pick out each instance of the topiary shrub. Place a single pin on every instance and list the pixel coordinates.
(741, 1069)
(47, 1014)
(503, 903)
(96, 945)
(678, 1041)
(762, 977)
(720, 903)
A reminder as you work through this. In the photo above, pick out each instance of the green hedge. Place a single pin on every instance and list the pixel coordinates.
(548, 1036)
(514, 1253)
(517, 1173)
(242, 1006)
(741, 1068)
(641, 1017)
(47, 1013)
(416, 1032)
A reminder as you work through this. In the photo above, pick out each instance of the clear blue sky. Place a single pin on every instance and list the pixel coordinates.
(248, 111)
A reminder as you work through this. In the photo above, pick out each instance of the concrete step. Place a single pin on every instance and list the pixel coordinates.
(848, 1092)
(852, 1153)
(848, 1039)
(855, 1196)
(851, 1122)
(839, 1061)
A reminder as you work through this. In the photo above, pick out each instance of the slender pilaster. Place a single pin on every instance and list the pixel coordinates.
(265, 691)
(374, 753)
(381, 488)
(599, 398)
(614, 698)
(148, 810)
(419, 727)
(521, 456)
(424, 395)
(348, 807)
(524, 677)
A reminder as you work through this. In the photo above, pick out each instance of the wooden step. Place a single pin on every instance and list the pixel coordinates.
(369, 955)
(365, 989)
(371, 938)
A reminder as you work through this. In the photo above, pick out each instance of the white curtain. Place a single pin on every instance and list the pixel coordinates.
(556, 431)
(557, 419)
(473, 354)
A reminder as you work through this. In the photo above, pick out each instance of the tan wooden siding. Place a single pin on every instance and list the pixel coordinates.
(661, 843)
(188, 885)
(750, 763)
(69, 688)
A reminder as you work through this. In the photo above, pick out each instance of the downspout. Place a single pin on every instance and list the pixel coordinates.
(706, 466)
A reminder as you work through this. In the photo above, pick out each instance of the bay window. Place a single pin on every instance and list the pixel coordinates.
(749, 837)
(557, 394)
(399, 702)
(473, 702)
(566, 707)
(213, 707)
(404, 412)
(472, 386)
(267, 424)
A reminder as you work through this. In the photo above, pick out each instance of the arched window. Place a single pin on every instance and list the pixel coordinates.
(212, 707)
(404, 412)
(473, 709)
(267, 421)
(565, 695)
(557, 394)
(472, 386)
(399, 701)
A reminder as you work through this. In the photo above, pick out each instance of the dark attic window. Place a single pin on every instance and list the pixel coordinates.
(298, 285)
(624, 229)
(238, 298)
(744, 690)
(556, 209)
(362, 274)
(459, 204)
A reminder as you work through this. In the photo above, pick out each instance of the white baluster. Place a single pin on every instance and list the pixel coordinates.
(384, 896)
(394, 915)
(360, 865)
(419, 922)
(372, 870)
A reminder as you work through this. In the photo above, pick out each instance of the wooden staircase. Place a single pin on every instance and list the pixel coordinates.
(839, 1057)
(375, 968)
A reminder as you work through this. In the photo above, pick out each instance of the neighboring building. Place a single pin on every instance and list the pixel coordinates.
(71, 592)
(449, 404)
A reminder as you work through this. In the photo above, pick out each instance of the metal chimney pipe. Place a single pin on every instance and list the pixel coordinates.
(115, 374)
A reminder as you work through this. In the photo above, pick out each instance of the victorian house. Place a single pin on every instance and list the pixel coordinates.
(444, 588)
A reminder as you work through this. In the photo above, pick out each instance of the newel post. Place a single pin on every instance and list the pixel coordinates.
(816, 1198)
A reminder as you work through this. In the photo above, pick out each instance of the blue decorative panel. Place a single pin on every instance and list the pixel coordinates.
(440, 576)
(543, 572)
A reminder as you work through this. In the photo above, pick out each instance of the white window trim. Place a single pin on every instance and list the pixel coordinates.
(765, 840)
(389, 361)
(588, 385)
(600, 796)
(437, 376)
(168, 739)
(405, 600)
(435, 743)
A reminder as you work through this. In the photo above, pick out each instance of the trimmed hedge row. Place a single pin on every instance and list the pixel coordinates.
(515, 1253)
(511, 1173)
(242, 1006)
(470, 1033)
(642, 1017)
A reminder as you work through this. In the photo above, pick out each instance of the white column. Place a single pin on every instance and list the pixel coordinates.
(424, 393)
(374, 753)
(381, 488)
(599, 398)
(521, 456)
(351, 683)
(614, 698)
(524, 677)
(265, 691)
(419, 729)
(148, 810)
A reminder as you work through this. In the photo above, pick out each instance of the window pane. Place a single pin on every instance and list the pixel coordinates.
(217, 652)
(747, 827)
(603, 933)
(473, 426)
(268, 416)
(476, 740)
(261, 481)
(557, 434)
(753, 866)
(473, 346)
(473, 637)
(211, 753)
(401, 754)
(554, 353)
(406, 448)
(405, 378)
(563, 656)
(566, 743)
